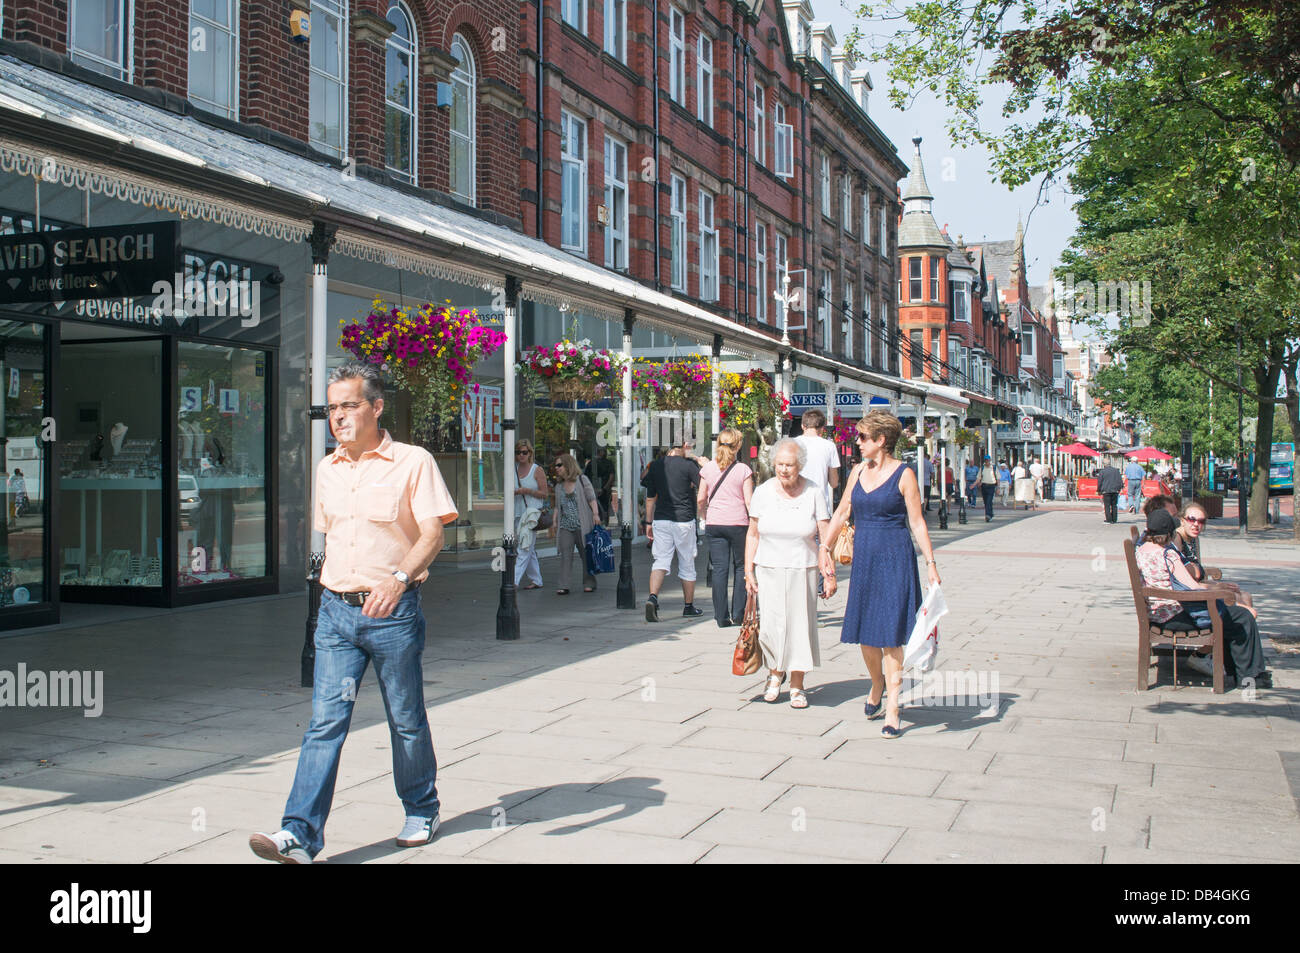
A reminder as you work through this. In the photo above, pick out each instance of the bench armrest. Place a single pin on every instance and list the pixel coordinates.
(1212, 572)
(1195, 595)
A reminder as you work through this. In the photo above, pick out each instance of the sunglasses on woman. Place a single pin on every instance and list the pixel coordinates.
(1198, 520)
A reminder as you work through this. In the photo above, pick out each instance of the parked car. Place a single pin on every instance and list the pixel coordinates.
(190, 501)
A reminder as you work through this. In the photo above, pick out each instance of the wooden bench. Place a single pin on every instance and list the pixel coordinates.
(1152, 635)
(1210, 571)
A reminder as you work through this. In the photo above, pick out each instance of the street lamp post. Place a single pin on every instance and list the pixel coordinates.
(508, 607)
(1241, 452)
(625, 597)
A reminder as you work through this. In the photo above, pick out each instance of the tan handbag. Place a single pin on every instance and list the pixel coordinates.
(748, 656)
(842, 550)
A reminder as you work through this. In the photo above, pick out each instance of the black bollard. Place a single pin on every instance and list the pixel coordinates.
(943, 514)
(961, 510)
(314, 592)
(508, 610)
(626, 583)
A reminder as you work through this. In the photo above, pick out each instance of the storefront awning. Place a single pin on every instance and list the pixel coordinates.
(940, 398)
(85, 137)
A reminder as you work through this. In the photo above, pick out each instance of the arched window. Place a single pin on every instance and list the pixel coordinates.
(463, 89)
(399, 95)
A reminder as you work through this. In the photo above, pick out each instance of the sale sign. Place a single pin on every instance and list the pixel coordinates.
(480, 420)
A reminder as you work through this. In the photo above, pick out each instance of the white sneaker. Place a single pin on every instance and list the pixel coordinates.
(417, 831)
(282, 847)
(1202, 663)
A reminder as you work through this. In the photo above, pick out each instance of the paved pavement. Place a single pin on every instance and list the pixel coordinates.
(599, 737)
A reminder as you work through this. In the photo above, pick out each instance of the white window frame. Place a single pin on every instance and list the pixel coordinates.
(616, 29)
(884, 234)
(960, 302)
(936, 272)
(914, 291)
(848, 316)
(954, 355)
(677, 247)
(781, 258)
(760, 272)
(846, 202)
(616, 204)
(572, 125)
(759, 146)
(824, 161)
(574, 13)
(466, 74)
(411, 108)
(704, 79)
(868, 332)
(124, 68)
(824, 310)
(709, 258)
(677, 55)
(320, 9)
(866, 217)
(782, 143)
(198, 21)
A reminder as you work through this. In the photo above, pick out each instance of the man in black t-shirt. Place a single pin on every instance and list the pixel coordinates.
(671, 485)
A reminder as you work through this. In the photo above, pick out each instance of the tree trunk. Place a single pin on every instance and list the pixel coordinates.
(1266, 378)
(1293, 418)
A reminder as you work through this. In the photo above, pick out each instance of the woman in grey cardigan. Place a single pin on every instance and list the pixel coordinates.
(576, 512)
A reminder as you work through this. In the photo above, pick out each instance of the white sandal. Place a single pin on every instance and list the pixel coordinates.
(798, 698)
(773, 690)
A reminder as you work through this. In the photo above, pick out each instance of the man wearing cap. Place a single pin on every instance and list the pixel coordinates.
(382, 506)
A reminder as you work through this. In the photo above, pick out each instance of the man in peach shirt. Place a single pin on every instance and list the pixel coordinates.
(381, 506)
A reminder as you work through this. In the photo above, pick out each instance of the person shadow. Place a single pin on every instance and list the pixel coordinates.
(539, 805)
(954, 702)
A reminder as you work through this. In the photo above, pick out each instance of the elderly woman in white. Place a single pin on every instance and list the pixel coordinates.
(781, 568)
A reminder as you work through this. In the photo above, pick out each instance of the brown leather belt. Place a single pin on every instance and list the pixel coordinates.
(358, 599)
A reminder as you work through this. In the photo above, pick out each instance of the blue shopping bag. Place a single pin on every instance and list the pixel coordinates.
(600, 551)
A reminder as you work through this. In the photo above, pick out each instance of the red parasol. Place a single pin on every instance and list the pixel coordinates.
(1080, 450)
(1147, 454)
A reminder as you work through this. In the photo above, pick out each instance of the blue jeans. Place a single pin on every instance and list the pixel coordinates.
(346, 642)
(1134, 494)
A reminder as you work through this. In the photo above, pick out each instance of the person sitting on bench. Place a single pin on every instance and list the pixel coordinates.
(1162, 568)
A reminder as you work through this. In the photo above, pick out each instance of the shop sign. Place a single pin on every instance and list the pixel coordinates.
(480, 420)
(801, 402)
(74, 264)
(848, 400)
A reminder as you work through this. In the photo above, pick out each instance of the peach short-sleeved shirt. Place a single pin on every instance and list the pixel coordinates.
(370, 511)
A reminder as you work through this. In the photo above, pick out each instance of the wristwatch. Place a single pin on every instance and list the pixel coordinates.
(403, 578)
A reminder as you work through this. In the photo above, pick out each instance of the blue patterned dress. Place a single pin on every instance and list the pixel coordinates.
(884, 586)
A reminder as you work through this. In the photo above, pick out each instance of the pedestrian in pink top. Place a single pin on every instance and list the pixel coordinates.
(726, 486)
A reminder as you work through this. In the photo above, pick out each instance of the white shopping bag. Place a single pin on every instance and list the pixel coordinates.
(923, 644)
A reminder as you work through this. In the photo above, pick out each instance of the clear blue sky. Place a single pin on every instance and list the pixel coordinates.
(966, 196)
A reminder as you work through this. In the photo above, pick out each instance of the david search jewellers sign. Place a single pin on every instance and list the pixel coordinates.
(73, 264)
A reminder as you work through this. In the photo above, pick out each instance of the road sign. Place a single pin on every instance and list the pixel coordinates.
(1026, 426)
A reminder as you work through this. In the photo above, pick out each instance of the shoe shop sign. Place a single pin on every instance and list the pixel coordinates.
(74, 264)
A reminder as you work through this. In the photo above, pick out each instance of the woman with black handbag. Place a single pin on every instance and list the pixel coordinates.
(726, 487)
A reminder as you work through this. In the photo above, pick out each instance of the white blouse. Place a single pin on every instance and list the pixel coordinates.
(787, 528)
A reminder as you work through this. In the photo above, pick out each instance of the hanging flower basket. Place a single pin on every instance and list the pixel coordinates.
(683, 384)
(427, 351)
(966, 438)
(573, 370)
(748, 401)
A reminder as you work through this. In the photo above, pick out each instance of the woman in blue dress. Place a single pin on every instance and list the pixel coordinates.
(884, 586)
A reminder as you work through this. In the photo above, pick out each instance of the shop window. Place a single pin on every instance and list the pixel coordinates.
(573, 197)
(329, 88)
(463, 96)
(99, 35)
(24, 459)
(399, 95)
(221, 464)
(214, 56)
